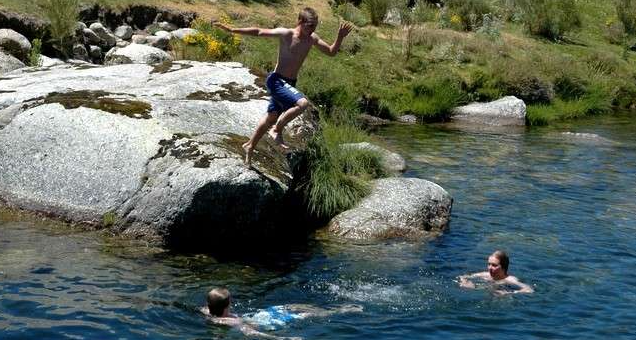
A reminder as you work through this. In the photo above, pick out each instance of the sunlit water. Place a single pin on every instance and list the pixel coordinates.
(562, 205)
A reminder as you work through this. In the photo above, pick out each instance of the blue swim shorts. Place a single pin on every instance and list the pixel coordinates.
(283, 92)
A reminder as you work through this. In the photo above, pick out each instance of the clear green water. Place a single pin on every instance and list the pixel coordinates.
(563, 206)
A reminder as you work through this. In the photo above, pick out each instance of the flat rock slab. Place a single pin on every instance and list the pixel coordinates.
(507, 111)
(150, 151)
(403, 208)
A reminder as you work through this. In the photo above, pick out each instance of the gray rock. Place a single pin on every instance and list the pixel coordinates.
(405, 208)
(95, 52)
(128, 143)
(91, 37)
(163, 34)
(393, 17)
(507, 111)
(391, 161)
(136, 54)
(367, 120)
(9, 63)
(49, 62)
(408, 119)
(166, 26)
(158, 42)
(108, 38)
(124, 32)
(122, 43)
(80, 26)
(14, 43)
(184, 32)
(80, 52)
(139, 39)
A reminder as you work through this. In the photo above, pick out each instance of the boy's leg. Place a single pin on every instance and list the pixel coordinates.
(263, 125)
(277, 131)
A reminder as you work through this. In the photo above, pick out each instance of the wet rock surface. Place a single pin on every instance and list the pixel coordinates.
(507, 111)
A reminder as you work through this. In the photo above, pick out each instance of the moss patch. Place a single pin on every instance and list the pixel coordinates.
(182, 147)
(166, 67)
(232, 92)
(98, 100)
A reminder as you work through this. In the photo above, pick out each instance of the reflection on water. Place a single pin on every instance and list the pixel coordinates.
(560, 199)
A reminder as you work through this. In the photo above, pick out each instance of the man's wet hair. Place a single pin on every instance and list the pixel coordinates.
(504, 261)
(307, 14)
(218, 300)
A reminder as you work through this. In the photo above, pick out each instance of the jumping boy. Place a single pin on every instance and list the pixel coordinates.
(286, 101)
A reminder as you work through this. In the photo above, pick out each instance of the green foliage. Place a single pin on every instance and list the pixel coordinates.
(377, 10)
(338, 177)
(626, 11)
(469, 13)
(353, 14)
(63, 16)
(432, 98)
(109, 219)
(598, 100)
(34, 55)
(551, 19)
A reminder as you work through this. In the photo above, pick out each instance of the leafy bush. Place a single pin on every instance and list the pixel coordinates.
(598, 100)
(63, 16)
(208, 44)
(377, 9)
(35, 53)
(626, 10)
(352, 13)
(468, 13)
(551, 19)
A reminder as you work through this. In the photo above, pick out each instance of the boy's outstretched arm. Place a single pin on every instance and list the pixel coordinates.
(332, 50)
(254, 31)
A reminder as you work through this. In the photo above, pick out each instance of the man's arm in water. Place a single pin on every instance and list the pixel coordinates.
(332, 50)
(313, 311)
(254, 31)
(246, 329)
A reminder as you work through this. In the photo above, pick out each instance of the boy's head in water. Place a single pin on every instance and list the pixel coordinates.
(219, 302)
(498, 265)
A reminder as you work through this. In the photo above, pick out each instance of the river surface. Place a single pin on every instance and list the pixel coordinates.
(562, 204)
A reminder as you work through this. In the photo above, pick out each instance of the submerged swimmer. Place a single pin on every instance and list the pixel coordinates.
(272, 318)
(498, 274)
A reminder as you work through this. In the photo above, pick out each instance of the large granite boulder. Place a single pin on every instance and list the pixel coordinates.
(14, 44)
(391, 161)
(136, 54)
(153, 152)
(404, 208)
(9, 63)
(507, 111)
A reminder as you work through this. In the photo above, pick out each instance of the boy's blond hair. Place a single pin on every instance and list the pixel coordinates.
(218, 300)
(307, 14)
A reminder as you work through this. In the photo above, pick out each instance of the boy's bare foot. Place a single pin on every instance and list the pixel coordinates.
(278, 138)
(248, 153)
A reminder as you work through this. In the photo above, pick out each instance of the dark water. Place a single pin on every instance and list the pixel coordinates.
(563, 206)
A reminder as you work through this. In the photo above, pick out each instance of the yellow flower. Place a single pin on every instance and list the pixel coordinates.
(456, 19)
(214, 48)
(236, 40)
(225, 19)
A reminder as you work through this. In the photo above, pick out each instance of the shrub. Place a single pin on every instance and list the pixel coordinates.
(469, 13)
(208, 44)
(434, 97)
(377, 9)
(35, 58)
(338, 177)
(352, 13)
(551, 19)
(626, 11)
(598, 100)
(63, 16)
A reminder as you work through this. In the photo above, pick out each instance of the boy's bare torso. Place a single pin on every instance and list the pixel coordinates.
(292, 51)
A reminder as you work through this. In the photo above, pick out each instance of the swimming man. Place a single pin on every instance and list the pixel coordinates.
(286, 101)
(498, 274)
